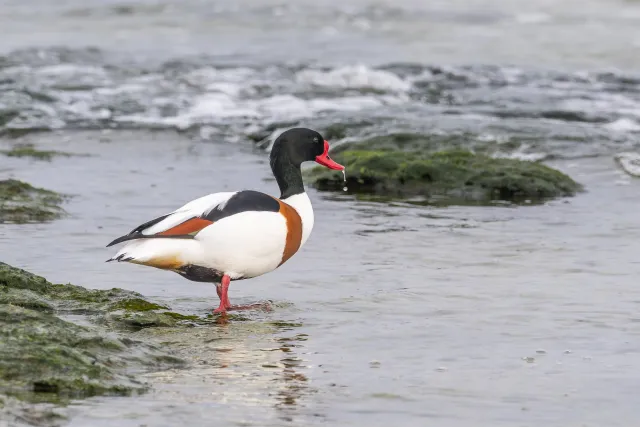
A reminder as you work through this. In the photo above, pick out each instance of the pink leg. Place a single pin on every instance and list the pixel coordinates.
(226, 280)
(223, 293)
(222, 290)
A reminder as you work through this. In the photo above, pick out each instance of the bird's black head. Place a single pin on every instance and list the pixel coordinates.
(300, 145)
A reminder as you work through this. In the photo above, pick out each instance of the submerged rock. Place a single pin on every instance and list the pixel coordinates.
(45, 357)
(20, 202)
(456, 175)
(28, 150)
(629, 162)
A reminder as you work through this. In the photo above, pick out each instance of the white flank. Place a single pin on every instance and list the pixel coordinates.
(302, 204)
(247, 244)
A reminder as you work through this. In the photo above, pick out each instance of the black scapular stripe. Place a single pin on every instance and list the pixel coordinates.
(139, 235)
(243, 201)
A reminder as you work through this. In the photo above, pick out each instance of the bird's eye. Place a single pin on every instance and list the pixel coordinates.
(315, 139)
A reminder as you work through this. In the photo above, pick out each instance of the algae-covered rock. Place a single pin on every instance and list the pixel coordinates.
(40, 352)
(457, 175)
(116, 307)
(43, 354)
(20, 202)
(28, 150)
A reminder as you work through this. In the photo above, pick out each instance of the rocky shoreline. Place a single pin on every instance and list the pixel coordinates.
(45, 357)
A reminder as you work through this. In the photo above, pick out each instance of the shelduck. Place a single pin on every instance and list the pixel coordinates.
(235, 235)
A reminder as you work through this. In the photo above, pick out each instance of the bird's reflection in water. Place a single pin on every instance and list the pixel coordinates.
(240, 370)
(295, 383)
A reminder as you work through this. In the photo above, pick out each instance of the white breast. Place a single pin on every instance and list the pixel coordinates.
(302, 204)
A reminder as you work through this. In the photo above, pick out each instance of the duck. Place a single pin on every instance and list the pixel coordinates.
(235, 235)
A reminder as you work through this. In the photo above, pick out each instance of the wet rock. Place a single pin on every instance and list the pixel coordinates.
(20, 203)
(28, 150)
(41, 353)
(455, 176)
(116, 307)
(45, 357)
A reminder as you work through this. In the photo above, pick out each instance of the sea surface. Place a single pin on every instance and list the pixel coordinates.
(392, 313)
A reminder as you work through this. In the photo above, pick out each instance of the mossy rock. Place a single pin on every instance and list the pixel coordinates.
(28, 150)
(21, 203)
(41, 353)
(457, 176)
(44, 357)
(117, 307)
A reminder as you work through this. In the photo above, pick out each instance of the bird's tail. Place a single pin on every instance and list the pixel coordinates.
(167, 254)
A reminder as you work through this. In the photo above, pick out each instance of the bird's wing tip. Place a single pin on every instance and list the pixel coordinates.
(122, 239)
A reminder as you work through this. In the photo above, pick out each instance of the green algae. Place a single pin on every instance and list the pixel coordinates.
(41, 353)
(117, 307)
(136, 321)
(178, 316)
(44, 357)
(137, 304)
(24, 298)
(457, 175)
(21, 203)
(28, 150)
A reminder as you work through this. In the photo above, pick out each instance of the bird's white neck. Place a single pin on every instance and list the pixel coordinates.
(301, 203)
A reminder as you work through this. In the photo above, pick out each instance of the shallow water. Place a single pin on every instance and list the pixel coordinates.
(391, 313)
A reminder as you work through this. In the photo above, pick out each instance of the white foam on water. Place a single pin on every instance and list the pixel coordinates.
(604, 103)
(72, 75)
(65, 70)
(213, 108)
(354, 77)
(85, 110)
(283, 107)
(228, 88)
(629, 162)
(521, 155)
(121, 89)
(205, 76)
(624, 125)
